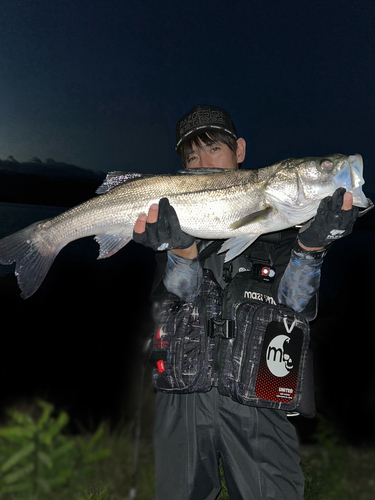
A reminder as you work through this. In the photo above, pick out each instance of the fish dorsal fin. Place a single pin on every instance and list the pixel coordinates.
(254, 217)
(200, 171)
(115, 179)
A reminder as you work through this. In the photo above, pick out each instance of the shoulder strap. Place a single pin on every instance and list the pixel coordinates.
(210, 249)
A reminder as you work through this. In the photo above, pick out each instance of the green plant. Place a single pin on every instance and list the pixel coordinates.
(37, 458)
(334, 470)
(224, 495)
(95, 491)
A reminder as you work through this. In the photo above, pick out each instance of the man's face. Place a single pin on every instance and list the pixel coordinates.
(212, 155)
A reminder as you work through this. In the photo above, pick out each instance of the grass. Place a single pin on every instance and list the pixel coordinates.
(337, 472)
(333, 469)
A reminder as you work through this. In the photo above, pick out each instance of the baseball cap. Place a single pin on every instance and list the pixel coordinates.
(203, 118)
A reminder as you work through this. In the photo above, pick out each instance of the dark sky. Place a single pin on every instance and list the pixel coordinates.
(101, 84)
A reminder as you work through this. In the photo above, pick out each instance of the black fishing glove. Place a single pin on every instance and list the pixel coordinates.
(166, 232)
(330, 222)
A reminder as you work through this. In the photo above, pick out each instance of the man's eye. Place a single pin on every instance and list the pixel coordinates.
(192, 158)
(216, 148)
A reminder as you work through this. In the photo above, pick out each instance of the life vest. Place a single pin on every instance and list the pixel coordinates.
(237, 339)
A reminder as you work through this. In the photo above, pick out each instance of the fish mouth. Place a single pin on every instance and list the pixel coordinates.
(351, 178)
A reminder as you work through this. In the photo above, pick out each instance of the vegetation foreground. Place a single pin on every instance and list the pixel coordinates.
(41, 460)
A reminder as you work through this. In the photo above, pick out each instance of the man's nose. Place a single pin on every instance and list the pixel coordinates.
(206, 161)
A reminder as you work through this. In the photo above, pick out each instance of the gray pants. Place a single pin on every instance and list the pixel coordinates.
(258, 449)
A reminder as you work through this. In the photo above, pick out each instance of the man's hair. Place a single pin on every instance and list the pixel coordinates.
(210, 137)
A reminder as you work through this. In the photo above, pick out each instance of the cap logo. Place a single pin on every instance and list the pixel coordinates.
(204, 117)
(201, 117)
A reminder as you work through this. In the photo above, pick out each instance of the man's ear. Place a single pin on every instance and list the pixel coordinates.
(241, 150)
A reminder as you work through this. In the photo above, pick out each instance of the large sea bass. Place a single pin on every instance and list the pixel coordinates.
(234, 205)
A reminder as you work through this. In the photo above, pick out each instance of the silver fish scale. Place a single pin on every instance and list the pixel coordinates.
(205, 204)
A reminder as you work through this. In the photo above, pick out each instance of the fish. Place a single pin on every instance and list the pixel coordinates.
(233, 205)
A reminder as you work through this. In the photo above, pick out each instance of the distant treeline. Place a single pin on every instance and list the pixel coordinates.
(50, 183)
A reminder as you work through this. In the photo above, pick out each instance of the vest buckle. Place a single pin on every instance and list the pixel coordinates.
(222, 328)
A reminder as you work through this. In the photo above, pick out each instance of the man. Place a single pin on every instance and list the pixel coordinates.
(198, 420)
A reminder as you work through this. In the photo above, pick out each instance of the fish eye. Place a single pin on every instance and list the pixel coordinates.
(326, 165)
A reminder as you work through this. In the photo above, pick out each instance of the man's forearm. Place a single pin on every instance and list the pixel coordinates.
(187, 253)
(183, 276)
(301, 278)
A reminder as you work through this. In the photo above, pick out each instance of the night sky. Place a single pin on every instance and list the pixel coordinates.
(101, 85)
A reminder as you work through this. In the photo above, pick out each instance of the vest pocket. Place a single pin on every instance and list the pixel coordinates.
(265, 366)
(181, 341)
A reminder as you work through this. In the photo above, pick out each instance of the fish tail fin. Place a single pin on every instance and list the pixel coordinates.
(33, 258)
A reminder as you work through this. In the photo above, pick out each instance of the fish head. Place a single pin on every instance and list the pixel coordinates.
(297, 187)
(320, 177)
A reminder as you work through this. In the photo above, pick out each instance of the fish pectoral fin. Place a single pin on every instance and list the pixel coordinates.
(235, 246)
(254, 217)
(111, 243)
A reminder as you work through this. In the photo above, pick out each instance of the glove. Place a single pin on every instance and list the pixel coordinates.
(166, 232)
(330, 222)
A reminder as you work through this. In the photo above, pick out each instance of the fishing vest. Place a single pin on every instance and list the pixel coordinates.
(237, 339)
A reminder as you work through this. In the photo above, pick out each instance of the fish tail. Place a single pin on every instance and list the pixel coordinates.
(32, 255)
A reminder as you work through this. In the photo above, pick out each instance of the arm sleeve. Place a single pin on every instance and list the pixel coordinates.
(301, 280)
(183, 277)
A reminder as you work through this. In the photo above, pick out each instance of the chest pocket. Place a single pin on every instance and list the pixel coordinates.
(265, 364)
(181, 348)
(244, 287)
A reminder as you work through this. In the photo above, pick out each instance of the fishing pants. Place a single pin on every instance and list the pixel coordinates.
(258, 449)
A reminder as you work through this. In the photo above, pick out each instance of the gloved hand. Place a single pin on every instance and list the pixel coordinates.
(330, 222)
(166, 232)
